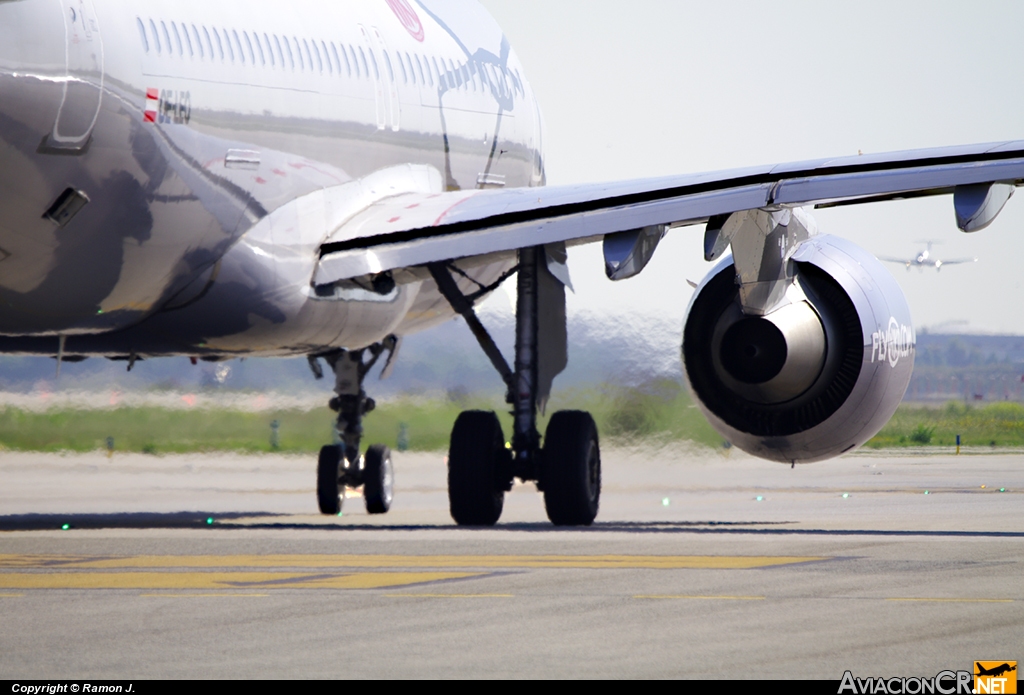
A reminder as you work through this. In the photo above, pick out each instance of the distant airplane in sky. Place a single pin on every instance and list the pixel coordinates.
(924, 259)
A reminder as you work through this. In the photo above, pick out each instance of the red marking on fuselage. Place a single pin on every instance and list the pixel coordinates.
(393, 220)
(408, 17)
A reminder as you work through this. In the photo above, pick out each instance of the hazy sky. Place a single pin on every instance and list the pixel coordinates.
(653, 87)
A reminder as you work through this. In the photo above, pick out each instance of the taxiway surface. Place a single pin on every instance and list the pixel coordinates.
(701, 565)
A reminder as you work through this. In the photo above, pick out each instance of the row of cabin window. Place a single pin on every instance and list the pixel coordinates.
(413, 68)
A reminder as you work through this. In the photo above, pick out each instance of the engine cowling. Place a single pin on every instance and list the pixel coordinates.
(813, 379)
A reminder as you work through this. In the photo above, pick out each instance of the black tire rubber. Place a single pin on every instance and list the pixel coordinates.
(572, 469)
(474, 457)
(378, 479)
(328, 486)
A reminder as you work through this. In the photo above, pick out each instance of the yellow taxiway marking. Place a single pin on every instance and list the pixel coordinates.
(402, 561)
(11, 595)
(449, 595)
(203, 595)
(220, 580)
(956, 600)
(703, 598)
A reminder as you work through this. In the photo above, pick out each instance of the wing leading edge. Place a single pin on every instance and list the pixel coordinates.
(415, 229)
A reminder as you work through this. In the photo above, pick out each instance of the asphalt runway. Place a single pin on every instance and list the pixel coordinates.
(702, 564)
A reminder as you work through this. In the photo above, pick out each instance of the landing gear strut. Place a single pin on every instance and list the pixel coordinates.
(341, 465)
(567, 468)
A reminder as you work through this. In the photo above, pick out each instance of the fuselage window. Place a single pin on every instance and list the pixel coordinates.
(424, 67)
(156, 37)
(223, 34)
(259, 47)
(142, 34)
(332, 65)
(219, 43)
(355, 62)
(238, 46)
(483, 77)
(457, 76)
(437, 72)
(338, 59)
(419, 69)
(248, 48)
(362, 59)
(376, 68)
(282, 54)
(177, 38)
(198, 42)
(188, 41)
(401, 64)
(288, 50)
(407, 68)
(391, 70)
(478, 77)
(167, 37)
(298, 52)
(209, 44)
(316, 54)
(270, 50)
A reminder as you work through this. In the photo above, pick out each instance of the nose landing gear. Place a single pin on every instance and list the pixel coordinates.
(341, 465)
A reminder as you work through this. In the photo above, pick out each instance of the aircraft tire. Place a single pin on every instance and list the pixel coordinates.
(328, 480)
(571, 469)
(474, 456)
(378, 477)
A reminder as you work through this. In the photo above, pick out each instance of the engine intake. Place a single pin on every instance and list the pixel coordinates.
(807, 381)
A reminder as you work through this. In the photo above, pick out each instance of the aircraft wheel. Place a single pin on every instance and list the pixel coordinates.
(378, 479)
(474, 457)
(328, 480)
(571, 469)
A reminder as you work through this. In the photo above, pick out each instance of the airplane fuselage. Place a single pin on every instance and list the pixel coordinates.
(169, 170)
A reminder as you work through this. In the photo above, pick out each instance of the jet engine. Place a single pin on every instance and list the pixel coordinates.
(820, 373)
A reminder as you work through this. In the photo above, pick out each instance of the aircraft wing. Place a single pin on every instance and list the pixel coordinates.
(901, 261)
(419, 228)
(957, 261)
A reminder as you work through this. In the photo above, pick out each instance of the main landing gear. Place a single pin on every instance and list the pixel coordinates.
(341, 465)
(481, 468)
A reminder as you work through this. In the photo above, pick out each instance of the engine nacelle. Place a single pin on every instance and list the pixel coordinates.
(814, 378)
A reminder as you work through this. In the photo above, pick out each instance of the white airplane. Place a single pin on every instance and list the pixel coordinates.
(924, 259)
(221, 179)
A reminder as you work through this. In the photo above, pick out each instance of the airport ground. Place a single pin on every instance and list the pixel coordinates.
(702, 564)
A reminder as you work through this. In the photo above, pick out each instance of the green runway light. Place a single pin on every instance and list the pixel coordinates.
(65, 527)
(759, 498)
(1002, 489)
(664, 502)
(340, 513)
(209, 521)
(845, 495)
(927, 492)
